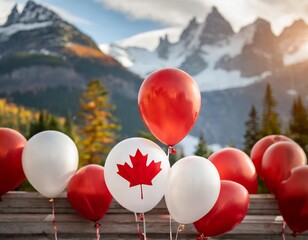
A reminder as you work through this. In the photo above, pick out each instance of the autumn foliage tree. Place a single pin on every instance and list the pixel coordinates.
(16, 117)
(97, 125)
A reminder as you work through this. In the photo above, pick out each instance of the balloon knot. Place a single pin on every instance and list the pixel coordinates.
(181, 228)
(294, 234)
(141, 217)
(97, 225)
(172, 150)
(51, 200)
(201, 237)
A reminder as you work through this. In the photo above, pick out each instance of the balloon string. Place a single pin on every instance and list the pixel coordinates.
(144, 227)
(54, 218)
(283, 230)
(97, 225)
(179, 230)
(170, 226)
(138, 226)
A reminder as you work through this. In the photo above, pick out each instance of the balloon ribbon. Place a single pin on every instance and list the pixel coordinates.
(96, 226)
(170, 226)
(283, 230)
(141, 234)
(54, 218)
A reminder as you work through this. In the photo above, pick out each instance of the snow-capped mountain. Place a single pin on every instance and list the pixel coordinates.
(294, 43)
(232, 68)
(216, 56)
(210, 51)
(45, 62)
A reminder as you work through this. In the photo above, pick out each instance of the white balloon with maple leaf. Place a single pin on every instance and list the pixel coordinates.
(136, 172)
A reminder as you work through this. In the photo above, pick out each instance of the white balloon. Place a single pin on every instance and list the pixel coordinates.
(192, 189)
(137, 190)
(49, 160)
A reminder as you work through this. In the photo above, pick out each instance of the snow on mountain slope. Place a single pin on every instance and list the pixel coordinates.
(220, 79)
(294, 43)
(6, 32)
(211, 78)
(198, 50)
(143, 62)
(147, 40)
(298, 56)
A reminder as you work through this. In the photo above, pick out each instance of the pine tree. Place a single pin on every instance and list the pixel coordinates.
(270, 118)
(46, 121)
(298, 126)
(97, 125)
(252, 133)
(202, 149)
(69, 127)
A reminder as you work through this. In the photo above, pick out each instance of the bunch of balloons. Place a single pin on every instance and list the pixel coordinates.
(213, 193)
(281, 163)
(48, 160)
(169, 102)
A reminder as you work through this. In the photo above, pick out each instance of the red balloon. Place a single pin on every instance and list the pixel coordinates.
(292, 198)
(12, 144)
(260, 147)
(229, 210)
(234, 165)
(88, 194)
(169, 102)
(278, 161)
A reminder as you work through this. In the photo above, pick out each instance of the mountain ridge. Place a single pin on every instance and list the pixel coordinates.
(47, 64)
(45, 59)
(231, 72)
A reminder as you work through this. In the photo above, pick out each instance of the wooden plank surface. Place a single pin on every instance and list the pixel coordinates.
(28, 216)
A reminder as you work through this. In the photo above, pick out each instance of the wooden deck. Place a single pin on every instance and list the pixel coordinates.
(28, 216)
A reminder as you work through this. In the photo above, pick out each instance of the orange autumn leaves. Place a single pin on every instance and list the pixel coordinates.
(16, 117)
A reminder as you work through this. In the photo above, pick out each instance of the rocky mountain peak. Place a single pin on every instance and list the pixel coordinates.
(294, 36)
(298, 28)
(298, 24)
(32, 13)
(215, 28)
(163, 47)
(190, 29)
(262, 24)
(13, 17)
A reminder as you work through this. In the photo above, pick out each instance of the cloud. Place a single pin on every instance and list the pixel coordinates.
(237, 12)
(67, 15)
(171, 12)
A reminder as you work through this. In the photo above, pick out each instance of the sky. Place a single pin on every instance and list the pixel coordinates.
(108, 21)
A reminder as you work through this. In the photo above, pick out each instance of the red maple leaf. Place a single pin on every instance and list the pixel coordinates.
(140, 173)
